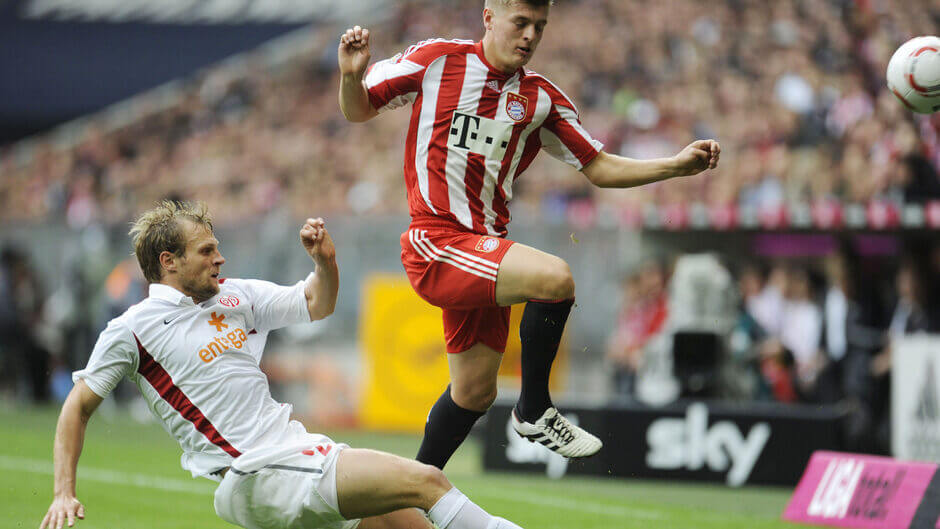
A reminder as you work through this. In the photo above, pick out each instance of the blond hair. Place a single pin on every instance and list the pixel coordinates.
(158, 230)
(490, 4)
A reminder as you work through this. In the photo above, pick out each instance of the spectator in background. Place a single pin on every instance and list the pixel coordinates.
(745, 338)
(908, 317)
(847, 345)
(801, 330)
(796, 94)
(839, 309)
(918, 179)
(933, 286)
(23, 360)
(643, 315)
(846, 340)
(766, 306)
(790, 359)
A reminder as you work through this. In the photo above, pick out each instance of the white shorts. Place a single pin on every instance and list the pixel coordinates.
(290, 486)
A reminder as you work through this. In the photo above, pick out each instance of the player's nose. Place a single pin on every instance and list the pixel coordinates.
(530, 33)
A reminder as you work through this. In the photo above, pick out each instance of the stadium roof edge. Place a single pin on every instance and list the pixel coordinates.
(275, 52)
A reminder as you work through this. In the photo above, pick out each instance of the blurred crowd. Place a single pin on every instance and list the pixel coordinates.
(793, 89)
(811, 331)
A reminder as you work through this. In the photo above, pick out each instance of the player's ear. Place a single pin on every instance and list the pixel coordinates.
(167, 261)
(487, 18)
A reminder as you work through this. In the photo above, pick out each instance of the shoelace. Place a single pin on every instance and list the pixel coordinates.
(561, 428)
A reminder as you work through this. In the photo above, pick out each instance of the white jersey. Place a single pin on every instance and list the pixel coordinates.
(198, 366)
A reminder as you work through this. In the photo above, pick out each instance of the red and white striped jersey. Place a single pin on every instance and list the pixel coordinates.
(197, 366)
(474, 129)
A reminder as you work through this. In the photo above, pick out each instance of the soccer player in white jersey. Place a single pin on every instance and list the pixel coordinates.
(478, 120)
(193, 348)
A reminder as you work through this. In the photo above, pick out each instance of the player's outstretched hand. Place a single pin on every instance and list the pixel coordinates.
(354, 51)
(317, 241)
(63, 509)
(697, 157)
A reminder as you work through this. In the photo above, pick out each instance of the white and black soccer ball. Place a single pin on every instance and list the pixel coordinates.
(914, 74)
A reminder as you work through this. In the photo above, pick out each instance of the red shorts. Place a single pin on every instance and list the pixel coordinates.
(454, 269)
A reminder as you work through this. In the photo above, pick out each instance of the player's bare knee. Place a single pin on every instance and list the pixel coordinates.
(478, 396)
(558, 282)
(437, 484)
(485, 398)
(426, 484)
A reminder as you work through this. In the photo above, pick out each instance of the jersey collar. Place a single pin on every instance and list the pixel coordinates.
(168, 293)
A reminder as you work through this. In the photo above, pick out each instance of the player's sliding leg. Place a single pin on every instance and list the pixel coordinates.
(401, 519)
(465, 400)
(377, 487)
(545, 283)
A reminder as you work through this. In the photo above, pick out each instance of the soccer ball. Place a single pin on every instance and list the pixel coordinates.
(914, 74)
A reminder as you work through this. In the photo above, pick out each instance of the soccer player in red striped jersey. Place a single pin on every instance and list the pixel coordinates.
(478, 120)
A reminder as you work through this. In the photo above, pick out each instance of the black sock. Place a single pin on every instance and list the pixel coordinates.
(448, 425)
(543, 322)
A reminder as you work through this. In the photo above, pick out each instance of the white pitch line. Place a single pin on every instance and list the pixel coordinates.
(576, 506)
(38, 466)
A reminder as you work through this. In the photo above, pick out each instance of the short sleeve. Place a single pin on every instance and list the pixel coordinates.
(562, 134)
(393, 83)
(274, 306)
(113, 358)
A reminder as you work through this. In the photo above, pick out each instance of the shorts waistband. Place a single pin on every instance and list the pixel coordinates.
(445, 223)
(437, 222)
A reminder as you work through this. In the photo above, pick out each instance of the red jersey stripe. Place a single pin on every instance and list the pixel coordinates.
(425, 52)
(476, 164)
(415, 199)
(530, 91)
(473, 181)
(164, 385)
(580, 147)
(447, 98)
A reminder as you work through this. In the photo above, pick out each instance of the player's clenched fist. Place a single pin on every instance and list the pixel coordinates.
(354, 51)
(697, 157)
(317, 241)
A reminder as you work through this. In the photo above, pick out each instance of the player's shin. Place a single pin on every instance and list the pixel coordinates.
(447, 427)
(455, 511)
(543, 323)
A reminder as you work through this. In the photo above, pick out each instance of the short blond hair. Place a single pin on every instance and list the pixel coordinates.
(490, 4)
(158, 230)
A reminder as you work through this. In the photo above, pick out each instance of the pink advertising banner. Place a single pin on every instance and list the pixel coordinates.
(866, 492)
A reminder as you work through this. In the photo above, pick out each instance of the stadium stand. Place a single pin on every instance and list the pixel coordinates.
(794, 91)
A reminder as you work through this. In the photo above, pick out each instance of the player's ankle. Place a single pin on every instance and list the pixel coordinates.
(531, 412)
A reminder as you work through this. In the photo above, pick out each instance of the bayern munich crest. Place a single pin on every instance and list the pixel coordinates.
(228, 301)
(516, 106)
(487, 244)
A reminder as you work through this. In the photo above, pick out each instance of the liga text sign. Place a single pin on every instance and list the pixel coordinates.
(865, 492)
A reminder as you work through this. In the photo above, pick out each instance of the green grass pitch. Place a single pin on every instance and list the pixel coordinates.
(129, 477)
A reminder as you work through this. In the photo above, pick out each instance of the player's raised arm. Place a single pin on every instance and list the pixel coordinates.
(610, 170)
(322, 287)
(69, 438)
(354, 58)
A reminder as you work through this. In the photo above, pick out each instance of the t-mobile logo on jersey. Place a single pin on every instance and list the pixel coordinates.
(483, 136)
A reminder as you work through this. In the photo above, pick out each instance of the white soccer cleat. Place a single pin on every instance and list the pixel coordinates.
(554, 431)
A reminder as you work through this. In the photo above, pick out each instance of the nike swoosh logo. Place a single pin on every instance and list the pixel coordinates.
(167, 322)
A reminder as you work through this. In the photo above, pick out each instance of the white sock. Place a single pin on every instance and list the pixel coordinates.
(455, 511)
